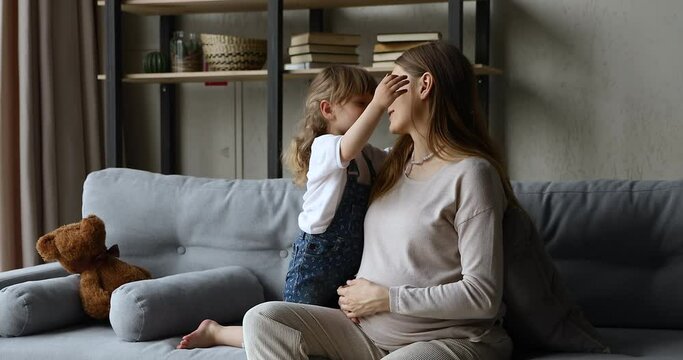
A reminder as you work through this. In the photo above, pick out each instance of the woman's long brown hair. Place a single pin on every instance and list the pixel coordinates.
(457, 127)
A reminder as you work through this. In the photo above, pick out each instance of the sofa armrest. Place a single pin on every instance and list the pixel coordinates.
(32, 273)
(32, 307)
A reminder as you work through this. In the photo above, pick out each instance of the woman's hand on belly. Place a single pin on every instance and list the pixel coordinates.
(361, 297)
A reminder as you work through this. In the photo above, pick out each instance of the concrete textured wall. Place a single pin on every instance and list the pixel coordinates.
(591, 88)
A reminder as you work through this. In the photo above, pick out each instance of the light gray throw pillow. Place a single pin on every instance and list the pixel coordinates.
(540, 314)
(32, 307)
(175, 305)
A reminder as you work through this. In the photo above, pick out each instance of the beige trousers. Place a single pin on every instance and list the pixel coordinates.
(290, 331)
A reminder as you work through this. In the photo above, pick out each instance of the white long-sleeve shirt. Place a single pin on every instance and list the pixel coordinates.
(437, 245)
(327, 179)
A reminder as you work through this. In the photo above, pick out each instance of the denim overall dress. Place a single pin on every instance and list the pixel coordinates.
(323, 262)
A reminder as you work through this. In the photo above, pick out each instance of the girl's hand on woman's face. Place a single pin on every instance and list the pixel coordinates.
(388, 89)
(360, 298)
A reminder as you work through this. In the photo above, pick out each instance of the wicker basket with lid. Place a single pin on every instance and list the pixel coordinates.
(226, 52)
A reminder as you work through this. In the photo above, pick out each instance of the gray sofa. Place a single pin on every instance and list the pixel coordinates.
(617, 244)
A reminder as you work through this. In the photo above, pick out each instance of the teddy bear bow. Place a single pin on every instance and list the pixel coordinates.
(112, 251)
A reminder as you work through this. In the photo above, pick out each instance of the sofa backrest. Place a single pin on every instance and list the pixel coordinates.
(618, 246)
(175, 224)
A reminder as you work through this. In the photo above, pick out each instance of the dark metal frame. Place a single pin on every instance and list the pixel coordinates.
(274, 101)
(113, 127)
(316, 20)
(482, 39)
(455, 9)
(169, 131)
(167, 97)
(481, 49)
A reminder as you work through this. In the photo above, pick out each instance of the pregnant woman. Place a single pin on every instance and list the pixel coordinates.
(430, 280)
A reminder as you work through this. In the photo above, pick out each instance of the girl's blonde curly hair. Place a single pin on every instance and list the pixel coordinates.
(336, 84)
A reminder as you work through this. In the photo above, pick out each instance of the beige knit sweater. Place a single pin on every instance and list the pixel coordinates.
(437, 244)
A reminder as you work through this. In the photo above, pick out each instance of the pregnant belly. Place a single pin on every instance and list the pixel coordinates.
(391, 331)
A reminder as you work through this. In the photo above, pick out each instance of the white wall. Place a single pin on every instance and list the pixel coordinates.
(591, 88)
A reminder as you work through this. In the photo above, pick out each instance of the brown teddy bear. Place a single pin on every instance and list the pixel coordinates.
(80, 248)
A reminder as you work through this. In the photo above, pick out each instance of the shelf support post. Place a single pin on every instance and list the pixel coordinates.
(315, 20)
(113, 127)
(455, 22)
(274, 101)
(167, 95)
(482, 49)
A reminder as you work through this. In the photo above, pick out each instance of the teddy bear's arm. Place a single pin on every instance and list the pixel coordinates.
(142, 273)
(95, 299)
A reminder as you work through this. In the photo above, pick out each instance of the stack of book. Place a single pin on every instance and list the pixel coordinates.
(390, 46)
(317, 50)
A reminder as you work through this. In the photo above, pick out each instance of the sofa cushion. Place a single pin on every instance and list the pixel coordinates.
(35, 306)
(645, 342)
(174, 305)
(617, 244)
(172, 224)
(99, 342)
(32, 273)
(540, 314)
(627, 344)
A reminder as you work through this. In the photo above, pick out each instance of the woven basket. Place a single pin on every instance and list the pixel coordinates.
(225, 52)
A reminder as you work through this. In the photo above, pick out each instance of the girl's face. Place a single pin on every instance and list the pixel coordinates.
(345, 114)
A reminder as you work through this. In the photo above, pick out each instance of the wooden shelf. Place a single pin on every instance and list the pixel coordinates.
(200, 76)
(252, 75)
(479, 70)
(178, 7)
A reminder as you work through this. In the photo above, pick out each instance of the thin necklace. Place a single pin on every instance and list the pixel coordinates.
(409, 166)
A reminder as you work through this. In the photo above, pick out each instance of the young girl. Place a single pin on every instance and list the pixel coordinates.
(330, 155)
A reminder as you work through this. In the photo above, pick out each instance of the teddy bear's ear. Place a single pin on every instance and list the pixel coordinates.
(92, 226)
(46, 247)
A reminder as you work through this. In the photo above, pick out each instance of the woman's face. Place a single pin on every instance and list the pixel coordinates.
(401, 111)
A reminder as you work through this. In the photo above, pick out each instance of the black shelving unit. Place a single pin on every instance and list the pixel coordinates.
(274, 98)
(167, 97)
(169, 126)
(113, 142)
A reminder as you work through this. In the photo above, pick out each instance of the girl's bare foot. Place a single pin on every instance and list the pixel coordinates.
(203, 337)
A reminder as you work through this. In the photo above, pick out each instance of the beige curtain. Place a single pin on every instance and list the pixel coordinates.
(50, 128)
